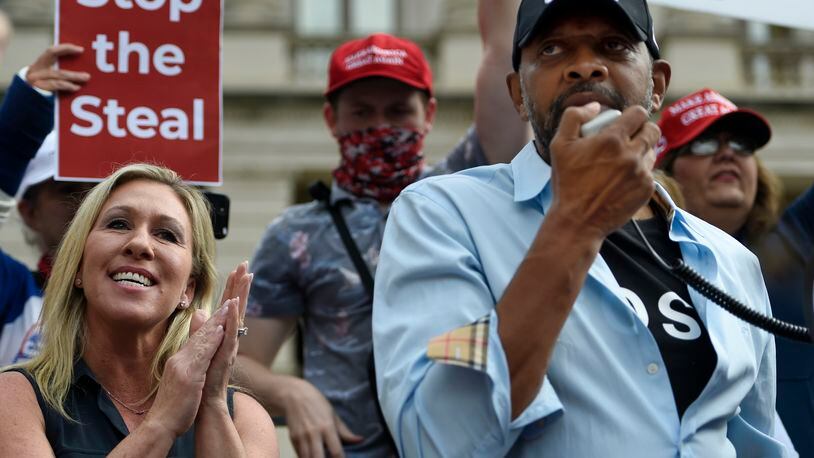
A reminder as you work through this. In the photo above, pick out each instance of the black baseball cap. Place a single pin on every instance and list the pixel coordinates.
(532, 13)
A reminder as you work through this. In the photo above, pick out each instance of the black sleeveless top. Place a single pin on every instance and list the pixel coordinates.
(99, 427)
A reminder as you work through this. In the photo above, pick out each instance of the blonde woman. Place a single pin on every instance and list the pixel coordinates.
(120, 371)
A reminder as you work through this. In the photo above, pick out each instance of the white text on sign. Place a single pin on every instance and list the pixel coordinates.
(140, 122)
(176, 6)
(167, 58)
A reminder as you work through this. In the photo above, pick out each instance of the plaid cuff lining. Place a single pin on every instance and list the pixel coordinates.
(465, 346)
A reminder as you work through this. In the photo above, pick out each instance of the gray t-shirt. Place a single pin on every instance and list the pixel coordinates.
(302, 269)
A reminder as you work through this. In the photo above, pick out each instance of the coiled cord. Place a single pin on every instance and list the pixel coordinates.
(693, 279)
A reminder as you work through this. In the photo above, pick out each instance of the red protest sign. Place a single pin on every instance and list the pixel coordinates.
(155, 88)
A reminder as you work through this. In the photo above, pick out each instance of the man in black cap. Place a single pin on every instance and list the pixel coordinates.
(518, 311)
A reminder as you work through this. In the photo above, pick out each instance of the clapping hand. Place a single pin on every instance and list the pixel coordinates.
(220, 369)
(195, 378)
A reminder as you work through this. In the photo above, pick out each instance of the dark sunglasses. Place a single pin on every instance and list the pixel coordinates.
(710, 145)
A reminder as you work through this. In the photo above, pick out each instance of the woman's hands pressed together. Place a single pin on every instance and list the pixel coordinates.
(236, 293)
(196, 377)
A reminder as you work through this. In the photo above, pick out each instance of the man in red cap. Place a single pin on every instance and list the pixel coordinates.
(379, 107)
(708, 146)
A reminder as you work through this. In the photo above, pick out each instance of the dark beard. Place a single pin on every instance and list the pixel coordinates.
(544, 131)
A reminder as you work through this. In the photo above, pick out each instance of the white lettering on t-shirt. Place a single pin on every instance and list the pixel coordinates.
(637, 304)
(664, 307)
(671, 314)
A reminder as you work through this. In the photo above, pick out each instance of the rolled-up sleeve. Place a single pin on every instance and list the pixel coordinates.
(442, 373)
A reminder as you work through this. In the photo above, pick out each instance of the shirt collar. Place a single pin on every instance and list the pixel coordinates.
(81, 370)
(531, 174)
(340, 195)
(662, 198)
(680, 229)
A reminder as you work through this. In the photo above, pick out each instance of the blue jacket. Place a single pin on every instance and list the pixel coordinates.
(786, 254)
(26, 117)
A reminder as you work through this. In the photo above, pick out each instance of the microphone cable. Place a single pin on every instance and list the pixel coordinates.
(693, 279)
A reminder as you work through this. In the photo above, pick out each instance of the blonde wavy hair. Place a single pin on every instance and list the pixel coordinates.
(63, 313)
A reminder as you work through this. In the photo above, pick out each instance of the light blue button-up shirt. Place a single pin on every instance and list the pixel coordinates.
(452, 245)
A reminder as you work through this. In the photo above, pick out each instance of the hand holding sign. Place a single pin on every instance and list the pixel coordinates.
(43, 75)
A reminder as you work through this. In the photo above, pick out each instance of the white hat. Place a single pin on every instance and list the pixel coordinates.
(42, 167)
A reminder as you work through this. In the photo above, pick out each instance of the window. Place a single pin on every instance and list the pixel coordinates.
(369, 16)
(319, 17)
(321, 24)
(346, 17)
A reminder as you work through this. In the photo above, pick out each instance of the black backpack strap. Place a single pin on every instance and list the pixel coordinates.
(321, 192)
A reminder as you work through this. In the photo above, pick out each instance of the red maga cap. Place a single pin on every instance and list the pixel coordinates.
(690, 116)
(379, 54)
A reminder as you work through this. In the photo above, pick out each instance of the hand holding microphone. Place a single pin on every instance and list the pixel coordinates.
(599, 122)
(602, 166)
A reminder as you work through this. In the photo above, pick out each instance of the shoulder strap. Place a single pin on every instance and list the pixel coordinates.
(321, 192)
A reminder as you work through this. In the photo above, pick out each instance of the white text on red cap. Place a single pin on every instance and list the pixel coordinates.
(375, 55)
(704, 111)
(706, 97)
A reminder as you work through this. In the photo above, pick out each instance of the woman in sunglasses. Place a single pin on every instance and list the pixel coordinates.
(708, 146)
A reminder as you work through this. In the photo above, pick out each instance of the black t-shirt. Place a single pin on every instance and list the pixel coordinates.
(664, 304)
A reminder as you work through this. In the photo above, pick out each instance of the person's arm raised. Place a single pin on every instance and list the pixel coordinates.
(502, 133)
(599, 183)
(27, 116)
(44, 75)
